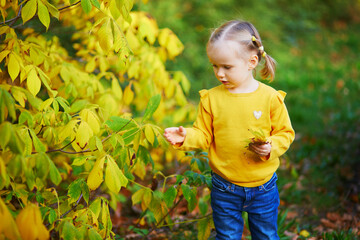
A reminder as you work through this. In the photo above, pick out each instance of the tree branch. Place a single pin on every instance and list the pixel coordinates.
(84, 151)
(13, 20)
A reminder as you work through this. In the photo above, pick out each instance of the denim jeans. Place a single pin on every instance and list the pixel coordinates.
(228, 201)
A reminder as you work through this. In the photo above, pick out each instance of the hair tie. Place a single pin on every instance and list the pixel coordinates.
(264, 54)
(261, 48)
(253, 39)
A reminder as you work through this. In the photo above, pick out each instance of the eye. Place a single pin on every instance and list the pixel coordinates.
(214, 66)
(227, 67)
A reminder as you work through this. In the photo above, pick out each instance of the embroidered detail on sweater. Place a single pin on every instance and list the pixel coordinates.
(257, 114)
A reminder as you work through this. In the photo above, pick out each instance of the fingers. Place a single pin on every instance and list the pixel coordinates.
(261, 150)
(175, 135)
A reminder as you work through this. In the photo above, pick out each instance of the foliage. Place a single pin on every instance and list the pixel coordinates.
(76, 119)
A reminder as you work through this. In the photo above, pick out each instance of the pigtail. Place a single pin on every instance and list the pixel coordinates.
(268, 71)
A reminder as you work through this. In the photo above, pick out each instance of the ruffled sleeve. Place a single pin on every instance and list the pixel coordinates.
(200, 135)
(282, 134)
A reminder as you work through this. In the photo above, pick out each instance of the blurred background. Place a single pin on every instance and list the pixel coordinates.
(316, 45)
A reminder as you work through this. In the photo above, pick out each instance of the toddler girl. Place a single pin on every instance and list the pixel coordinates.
(244, 177)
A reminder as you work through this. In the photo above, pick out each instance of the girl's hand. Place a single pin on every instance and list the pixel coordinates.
(263, 150)
(175, 135)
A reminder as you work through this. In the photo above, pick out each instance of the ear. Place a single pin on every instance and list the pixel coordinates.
(253, 61)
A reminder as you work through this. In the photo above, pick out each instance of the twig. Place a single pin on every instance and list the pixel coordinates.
(66, 213)
(163, 218)
(77, 203)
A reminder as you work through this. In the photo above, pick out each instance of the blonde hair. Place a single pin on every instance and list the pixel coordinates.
(246, 34)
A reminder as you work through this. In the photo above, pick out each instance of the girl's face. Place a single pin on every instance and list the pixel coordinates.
(231, 69)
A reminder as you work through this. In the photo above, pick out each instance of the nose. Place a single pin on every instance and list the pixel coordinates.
(220, 73)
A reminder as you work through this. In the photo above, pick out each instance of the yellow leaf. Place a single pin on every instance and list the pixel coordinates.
(8, 226)
(116, 89)
(19, 96)
(25, 72)
(66, 131)
(91, 65)
(30, 223)
(53, 10)
(3, 54)
(163, 36)
(91, 118)
(140, 169)
(114, 177)
(174, 46)
(33, 82)
(304, 233)
(105, 36)
(132, 40)
(29, 10)
(43, 14)
(13, 66)
(128, 95)
(147, 197)
(83, 134)
(134, 70)
(179, 96)
(45, 104)
(96, 175)
(149, 134)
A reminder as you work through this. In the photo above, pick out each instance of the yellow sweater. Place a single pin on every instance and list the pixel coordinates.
(223, 124)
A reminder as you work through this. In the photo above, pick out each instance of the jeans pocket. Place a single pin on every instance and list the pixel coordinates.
(271, 184)
(218, 184)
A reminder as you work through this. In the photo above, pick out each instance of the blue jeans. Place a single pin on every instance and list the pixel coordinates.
(228, 201)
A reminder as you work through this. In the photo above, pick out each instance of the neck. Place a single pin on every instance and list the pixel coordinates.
(247, 87)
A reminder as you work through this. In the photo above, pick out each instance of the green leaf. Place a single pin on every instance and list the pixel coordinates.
(26, 116)
(169, 196)
(95, 3)
(144, 155)
(114, 177)
(85, 191)
(10, 104)
(63, 103)
(74, 191)
(117, 123)
(93, 235)
(55, 176)
(99, 144)
(190, 196)
(77, 106)
(39, 146)
(151, 107)
(86, 5)
(5, 132)
(52, 216)
(69, 232)
(95, 207)
(42, 166)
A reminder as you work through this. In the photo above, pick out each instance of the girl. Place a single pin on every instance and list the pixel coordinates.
(244, 177)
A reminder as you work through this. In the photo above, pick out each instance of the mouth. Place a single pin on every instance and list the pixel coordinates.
(224, 82)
